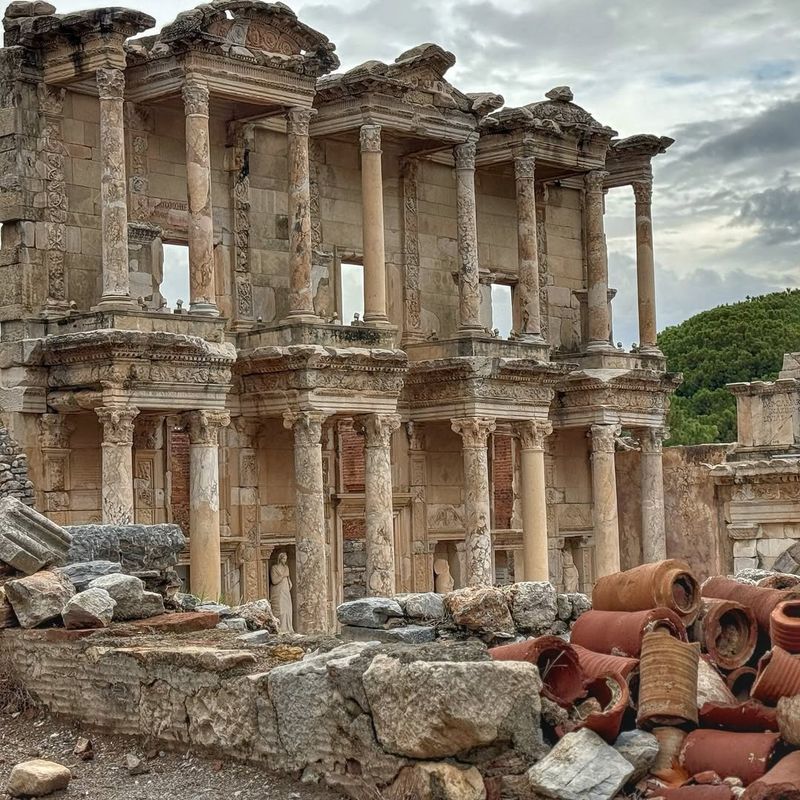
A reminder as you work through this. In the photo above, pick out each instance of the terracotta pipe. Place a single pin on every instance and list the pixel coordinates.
(746, 756)
(778, 676)
(595, 665)
(620, 633)
(760, 601)
(664, 584)
(779, 580)
(741, 681)
(613, 696)
(670, 741)
(784, 626)
(782, 782)
(727, 631)
(748, 716)
(719, 792)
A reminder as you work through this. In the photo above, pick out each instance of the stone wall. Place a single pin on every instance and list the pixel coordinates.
(14, 480)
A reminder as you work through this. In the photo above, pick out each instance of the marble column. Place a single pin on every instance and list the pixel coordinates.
(301, 296)
(654, 537)
(113, 190)
(204, 499)
(202, 290)
(474, 433)
(117, 466)
(604, 499)
(372, 226)
(377, 430)
(645, 266)
(599, 327)
(530, 322)
(469, 290)
(247, 431)
(532, 435)
(310, 542)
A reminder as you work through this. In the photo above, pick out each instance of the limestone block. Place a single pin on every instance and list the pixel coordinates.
(369, 612)
(83, 573)
(580, 767)
(37, 778)
(437, 781)
(38, 598)
(533, 605)
(640, 749)
(137, 548)
(434, 710)
(423, 606)
(28, 540)
(224, 718)
(770, 548)
(258, 616)
(744, 548)
(481, 609)
(152, 605)
(744, 563)
(128, 593)
(93, 608)
(408, 634)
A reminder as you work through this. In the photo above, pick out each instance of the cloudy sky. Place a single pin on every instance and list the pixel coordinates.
(722, 77)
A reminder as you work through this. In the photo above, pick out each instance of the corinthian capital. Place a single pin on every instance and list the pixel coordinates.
(55, 431)
(604, 437)
(377, 429)
(465, 155)
(651, 439)
(111, 84)
(595, 180)
(298, 120)
(524, 167)
(117, 422)
(195, 98)
(643, 192)
(474, 431)
(204, 425)
(532, 433)
(307, 426)
(370, 138)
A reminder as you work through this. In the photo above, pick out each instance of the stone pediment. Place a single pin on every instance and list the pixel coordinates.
(645, 144)
(269, 34)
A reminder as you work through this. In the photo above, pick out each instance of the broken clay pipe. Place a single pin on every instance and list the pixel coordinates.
(778, 676)
(727, 631)
(746, 756)
(760, 601)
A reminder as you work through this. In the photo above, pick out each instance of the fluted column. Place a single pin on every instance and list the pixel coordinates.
(469, 290)
(204, 518)
(113, 191)
(117, 466)
(474, 433)
(596, 263)
(654, 537)
(372, 226)
(532, 435)
(530, 322)
(377, 430)
(645, 265)
(604, 499)
(310, 559)
(202, 289)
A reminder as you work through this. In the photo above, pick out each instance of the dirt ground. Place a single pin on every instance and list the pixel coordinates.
(172, 775)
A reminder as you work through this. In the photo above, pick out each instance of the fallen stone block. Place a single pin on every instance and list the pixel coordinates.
(127, 592)
(580, 767)
(152, 605)
(408, 634)
(83, 573)
(258, 616)
(8, 619)
(181, 622)
(423, 606)
(369, 612)
(37, 778)
(29, 541)
(640, 749)
(534, 606)
(39, 598)
(235, 624)
(93, 608)
(138, 548)
(482, 609)
(437, 781)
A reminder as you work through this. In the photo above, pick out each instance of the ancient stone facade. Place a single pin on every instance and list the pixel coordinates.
(227, 133)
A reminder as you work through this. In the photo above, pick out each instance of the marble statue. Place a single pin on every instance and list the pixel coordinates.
(280, 594)
(569, 571)
(444, 580)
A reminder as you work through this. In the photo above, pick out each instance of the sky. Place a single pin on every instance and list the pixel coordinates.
(720, 77)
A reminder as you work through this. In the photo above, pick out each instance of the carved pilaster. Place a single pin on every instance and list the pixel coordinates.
(138, 125)
(467, 226)
(242, 145)
(412, 306)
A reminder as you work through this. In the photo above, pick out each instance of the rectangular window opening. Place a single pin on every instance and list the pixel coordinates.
(502, 314)
(352, 288)
(175, 275)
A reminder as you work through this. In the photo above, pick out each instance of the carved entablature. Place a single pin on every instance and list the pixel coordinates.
(629, 159)
(768, 415)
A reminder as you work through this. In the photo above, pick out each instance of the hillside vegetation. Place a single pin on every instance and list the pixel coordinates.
(727, 344)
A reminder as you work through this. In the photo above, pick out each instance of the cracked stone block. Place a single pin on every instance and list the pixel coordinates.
(29, 541)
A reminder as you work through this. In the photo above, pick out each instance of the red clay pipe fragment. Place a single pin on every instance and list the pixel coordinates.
(748, 716)
(746, 756)
(596, 665)
(779, 580)
(563, 680)
(784, 626)
(611, 692)
(782, 782)
(727, 631)
(664, 584)
(778, 676)
(741, 681)
(760, 601)
(667, 681)
(720, 792)
(620, 633)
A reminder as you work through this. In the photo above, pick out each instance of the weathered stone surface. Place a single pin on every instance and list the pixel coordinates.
(258, 616)
(640, 749)
(128, 592)
(83, 573)
(410, 634)
(235, 624)
(8, 619)
(580, 604)
(38, 598)
(368, 612)
(563, 607)
(136, 547)
(439, 709)
(437, 781)
(37, 778)
(28, 540)
(423, 606)
(533, 606)
(482, 609)
(152, 605)
(580, 767)
(93, 608)
(216, 608)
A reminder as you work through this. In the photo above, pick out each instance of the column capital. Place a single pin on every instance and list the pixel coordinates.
(416, 435)
(204, 425)
(595, 180)
(465, 155)
(604, 437)
(247, 429)
(532, 433)
(643, 191)
(117, 422)
(307, 426)
(474, 431)
(195, 98)
(370, 138)
(524, 167)
(110, 83)
(377, 429)
(298, 120)
(55, 431)
(651, 439)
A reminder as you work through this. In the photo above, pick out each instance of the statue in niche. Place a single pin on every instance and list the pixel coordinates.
(569, 571)
(280, 593)
(444, 580)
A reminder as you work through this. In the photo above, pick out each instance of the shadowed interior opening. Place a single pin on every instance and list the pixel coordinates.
(733, 634)
(684, 592)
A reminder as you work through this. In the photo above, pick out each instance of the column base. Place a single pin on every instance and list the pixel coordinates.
(377, 321)
(307, 317)
(116, 303)
(650, 350)
(204, 308)
(600, 347)
(529, 338)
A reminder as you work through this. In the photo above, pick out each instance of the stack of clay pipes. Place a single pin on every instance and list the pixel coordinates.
(712, 672)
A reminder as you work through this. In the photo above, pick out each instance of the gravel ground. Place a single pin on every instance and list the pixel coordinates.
(171, 776)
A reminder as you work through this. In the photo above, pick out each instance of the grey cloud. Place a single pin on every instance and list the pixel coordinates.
(776, 212)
